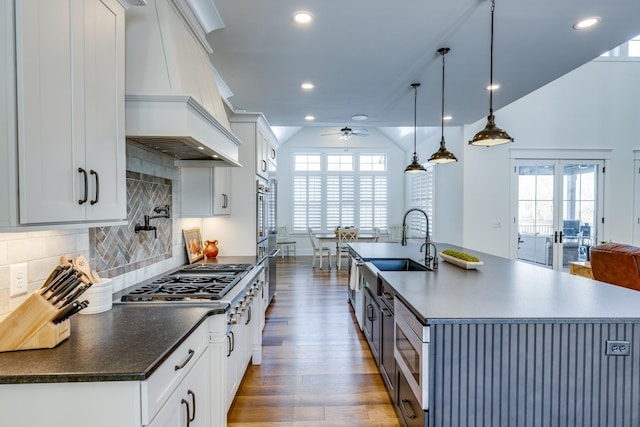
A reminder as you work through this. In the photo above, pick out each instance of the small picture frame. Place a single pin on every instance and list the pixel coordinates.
(193, 244)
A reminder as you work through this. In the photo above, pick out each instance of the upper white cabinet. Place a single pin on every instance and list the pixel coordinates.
(253, 130)
(69, 109)
(206, 191)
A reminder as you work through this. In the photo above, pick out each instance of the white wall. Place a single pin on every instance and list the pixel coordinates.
(310, 139)
(448, 201)
(593, 107)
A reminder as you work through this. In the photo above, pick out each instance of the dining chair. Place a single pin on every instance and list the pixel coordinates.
(345, 236)
(284, 241)
(318, 251)
(376, 233)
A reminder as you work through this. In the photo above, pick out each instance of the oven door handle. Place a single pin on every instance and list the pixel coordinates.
(274, 253)
(412, 415)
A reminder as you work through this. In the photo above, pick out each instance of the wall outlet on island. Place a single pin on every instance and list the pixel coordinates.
(18, 279)
(618, 348)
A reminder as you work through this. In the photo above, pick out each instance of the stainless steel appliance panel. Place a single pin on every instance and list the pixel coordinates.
(411, 352)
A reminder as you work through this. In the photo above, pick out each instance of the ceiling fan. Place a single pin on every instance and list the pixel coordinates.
(347, 132)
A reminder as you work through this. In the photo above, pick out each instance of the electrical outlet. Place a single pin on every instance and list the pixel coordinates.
(18, 279)
(618, 348)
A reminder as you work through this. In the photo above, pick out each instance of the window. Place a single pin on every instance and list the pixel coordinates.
(332, 190)
(634, 46)
(421, 197)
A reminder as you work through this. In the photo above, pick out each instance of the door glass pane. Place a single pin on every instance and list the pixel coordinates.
(535, 213)
(578, 211)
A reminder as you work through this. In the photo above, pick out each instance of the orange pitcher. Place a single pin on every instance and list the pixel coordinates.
(211, 248)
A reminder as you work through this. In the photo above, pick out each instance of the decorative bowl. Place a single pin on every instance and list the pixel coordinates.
(460, 262)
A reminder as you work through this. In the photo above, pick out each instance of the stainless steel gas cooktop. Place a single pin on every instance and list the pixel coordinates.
(195, 282)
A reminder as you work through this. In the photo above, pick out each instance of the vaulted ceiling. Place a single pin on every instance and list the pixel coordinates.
(362, 55)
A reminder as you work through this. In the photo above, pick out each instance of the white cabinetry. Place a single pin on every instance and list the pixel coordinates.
(188, 404)
(206, 191)
(69, 108)
(155, 402)
(256, 135)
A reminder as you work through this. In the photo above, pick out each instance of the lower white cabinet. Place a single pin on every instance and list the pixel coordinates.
(206, 191)
(188, 405)
(239, 351)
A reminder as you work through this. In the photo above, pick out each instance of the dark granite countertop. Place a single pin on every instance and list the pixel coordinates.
(501, 290)
(126, 343)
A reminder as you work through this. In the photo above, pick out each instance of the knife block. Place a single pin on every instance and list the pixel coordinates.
(30, 326)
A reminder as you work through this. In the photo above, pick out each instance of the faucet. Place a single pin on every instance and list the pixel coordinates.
(147, 218)
(404, 226)
(431, 261)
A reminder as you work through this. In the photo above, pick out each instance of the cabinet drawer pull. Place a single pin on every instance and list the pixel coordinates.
(248, 315)
(183, 364)
(404, 402)
(386, 311)
(193, 400)
(186, 405)
(94, 201)
(86, 184)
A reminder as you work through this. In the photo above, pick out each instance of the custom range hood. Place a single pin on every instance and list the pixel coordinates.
(172, 102)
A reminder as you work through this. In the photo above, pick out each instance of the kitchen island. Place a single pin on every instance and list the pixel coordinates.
(512, 344)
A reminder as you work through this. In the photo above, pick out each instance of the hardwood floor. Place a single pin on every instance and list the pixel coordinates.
(316, 369)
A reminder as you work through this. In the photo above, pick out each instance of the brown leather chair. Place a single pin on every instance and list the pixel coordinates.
(617, 264)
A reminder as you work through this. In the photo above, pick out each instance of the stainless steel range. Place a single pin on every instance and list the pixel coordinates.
(192, 283)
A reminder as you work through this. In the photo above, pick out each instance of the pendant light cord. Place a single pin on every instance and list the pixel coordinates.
(415, 116)
(442, 112)
(493, 7)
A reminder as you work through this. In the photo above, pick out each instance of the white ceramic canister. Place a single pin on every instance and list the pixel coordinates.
(100, 297)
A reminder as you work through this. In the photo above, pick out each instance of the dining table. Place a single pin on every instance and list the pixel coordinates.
(332, 237)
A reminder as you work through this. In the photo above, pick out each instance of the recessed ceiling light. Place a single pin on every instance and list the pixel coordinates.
(302, 17)
(359, 117)
(494, 86)
(200, 148)
(309, 117)
(307, 85)
(586, 23)
(447, 118)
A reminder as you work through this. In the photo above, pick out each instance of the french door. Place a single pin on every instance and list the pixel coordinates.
(557, 207)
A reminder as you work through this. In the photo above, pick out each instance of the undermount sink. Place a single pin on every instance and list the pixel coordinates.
(401, 264)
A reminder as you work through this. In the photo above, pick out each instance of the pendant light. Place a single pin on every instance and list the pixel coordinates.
(491, 134)
(443, 155)
(415, 166)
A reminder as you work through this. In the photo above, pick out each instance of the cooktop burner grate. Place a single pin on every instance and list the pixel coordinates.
(193, 282)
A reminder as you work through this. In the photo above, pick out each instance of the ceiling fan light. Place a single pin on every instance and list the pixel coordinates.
(491, 135)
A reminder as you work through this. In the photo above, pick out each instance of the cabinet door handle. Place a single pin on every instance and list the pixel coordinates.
(186, 405)
(193, 400)
(225, 201)
(273, 153)
(228, 345)
(404, 402)
(183, 364)
(86, 183)
(94, 201)
(248, 315)
(264, 166)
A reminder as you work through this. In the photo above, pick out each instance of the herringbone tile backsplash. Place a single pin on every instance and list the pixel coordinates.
(118, 250)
